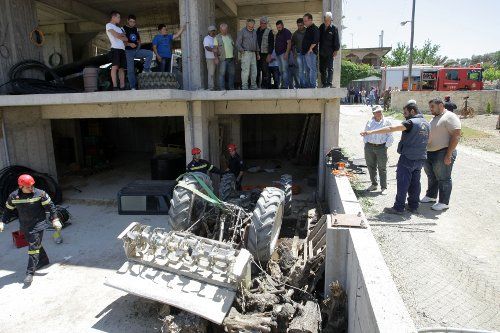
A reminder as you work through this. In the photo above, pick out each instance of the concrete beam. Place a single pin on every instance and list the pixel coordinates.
(83, 27)
(116, 110)
(268, 106)
(76, 8)
(297, 96)
(277, 9)
(228, 7)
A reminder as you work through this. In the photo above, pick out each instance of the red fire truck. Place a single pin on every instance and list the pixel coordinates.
(452, 78)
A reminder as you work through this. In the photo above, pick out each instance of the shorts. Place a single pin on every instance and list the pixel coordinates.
(118, 58)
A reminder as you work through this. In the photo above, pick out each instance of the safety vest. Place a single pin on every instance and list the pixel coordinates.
(264, 45)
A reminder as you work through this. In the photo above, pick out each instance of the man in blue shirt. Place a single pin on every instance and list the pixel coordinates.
(413, 151)
(162, 46)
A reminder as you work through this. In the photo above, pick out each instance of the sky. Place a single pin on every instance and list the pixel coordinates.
(461, 27)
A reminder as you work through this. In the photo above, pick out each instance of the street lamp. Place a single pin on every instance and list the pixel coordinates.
(410, 62)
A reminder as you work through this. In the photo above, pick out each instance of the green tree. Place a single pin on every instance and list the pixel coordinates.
(491, 74)
(351, 71)
(427, 54)
(398, 56)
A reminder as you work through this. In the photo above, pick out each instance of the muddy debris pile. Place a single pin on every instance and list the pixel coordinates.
(285, 296)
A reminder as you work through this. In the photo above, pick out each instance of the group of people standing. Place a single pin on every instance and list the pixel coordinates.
(431, 146)
(126, 47)
(272, 60)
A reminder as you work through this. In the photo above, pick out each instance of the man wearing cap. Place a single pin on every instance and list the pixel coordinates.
(413, 153)
(208, 44)
(33, 206)
(441, 154)
(449, 105)
(235, 165)
(376, 149)
(200, 165)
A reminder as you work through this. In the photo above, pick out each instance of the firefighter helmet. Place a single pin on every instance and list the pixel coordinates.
(231, 147)
(195, 151)
(25, 180)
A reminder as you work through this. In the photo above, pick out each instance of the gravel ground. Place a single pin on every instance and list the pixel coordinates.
(445, 265)
(489, 139)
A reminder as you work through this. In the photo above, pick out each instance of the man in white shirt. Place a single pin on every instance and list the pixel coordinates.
(376, 149)
(117, 37)
(208, 44)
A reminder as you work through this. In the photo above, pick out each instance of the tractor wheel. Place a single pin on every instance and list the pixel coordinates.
(186, 206)
(227, 186)
(286, 183)
(265, 228)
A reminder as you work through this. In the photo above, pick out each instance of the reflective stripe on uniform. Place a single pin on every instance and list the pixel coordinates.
(211, 167)
(33, 251)
(18, 201)
(198, 167)
(9, 206)
(46, 202)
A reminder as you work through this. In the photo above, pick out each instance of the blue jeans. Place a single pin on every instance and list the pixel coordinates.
(141, 54)
(299, 74)
(226, 66)
(164, 64)
(311, 69)
(283, 64)
(408, 183)
(439, 175)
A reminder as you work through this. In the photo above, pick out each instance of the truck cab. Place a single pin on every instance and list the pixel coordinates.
(454, 78)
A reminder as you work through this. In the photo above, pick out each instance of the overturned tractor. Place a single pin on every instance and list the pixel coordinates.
(246, 219)
(206, 256)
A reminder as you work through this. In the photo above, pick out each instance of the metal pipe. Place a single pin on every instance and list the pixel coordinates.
(5, 145)
(410, 63)
(452, 330)
(188, 55)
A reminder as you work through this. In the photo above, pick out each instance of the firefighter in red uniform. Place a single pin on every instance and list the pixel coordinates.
(200, 165)
(235, 165)
(32, 206)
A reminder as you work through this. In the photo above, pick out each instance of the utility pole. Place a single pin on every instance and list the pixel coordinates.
(410, 64)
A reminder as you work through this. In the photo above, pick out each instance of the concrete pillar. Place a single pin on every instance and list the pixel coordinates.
(29, 139)
(200, 124)
(17, 20)
(335, 6)
(197, 15)
(329, 139)
(57, 41)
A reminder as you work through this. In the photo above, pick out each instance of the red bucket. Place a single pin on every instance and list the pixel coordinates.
(19, 239)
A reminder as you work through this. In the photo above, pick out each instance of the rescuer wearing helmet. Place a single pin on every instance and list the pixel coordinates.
(200, 165)
(32, 206)
(235, 165)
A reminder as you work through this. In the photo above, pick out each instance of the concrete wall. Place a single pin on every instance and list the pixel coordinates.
(354, 259)
(29, 139)
(478, 99)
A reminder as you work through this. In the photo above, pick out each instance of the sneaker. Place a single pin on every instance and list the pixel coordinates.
(391, 210)
(28, 279)
(372, 188)
(439, 206)
(384, 191)
(426, 199)
(412, 210)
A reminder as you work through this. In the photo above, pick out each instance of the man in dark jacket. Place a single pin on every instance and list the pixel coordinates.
(200, 165)
(235, 165)
(33, 206)
(310, 51)
(265, 39)
(413, 151)
(329, 44)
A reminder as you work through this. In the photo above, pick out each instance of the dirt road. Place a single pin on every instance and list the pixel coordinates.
(445, 265)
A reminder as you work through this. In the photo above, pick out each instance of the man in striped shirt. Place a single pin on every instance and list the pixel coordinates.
(376, 149)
